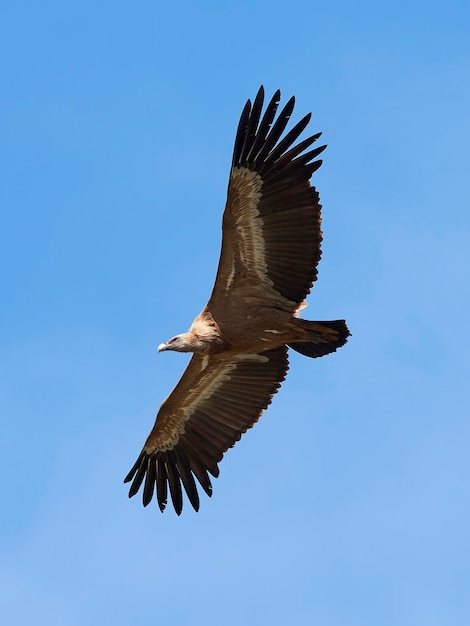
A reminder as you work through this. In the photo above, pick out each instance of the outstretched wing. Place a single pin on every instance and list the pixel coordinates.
(271, 225)
(216, 400)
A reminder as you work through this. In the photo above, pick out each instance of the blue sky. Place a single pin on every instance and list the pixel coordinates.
(349, 502)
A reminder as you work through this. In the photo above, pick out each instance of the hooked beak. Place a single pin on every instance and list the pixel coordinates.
(162, 347)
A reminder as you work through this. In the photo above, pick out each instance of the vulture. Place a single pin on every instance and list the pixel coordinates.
(271, 240)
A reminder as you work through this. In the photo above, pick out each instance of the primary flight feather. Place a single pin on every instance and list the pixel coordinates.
(271, 240)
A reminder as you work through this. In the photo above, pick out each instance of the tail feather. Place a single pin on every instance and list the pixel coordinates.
(327, 337)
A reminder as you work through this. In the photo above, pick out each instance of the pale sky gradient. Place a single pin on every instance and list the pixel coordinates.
(349, 503)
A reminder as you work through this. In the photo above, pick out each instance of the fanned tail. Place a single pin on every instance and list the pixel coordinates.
(327, 337)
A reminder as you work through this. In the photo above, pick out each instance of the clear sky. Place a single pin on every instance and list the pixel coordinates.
(349, 503)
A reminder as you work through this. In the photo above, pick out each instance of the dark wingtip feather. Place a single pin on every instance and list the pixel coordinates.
(313, 167)
(139, 477)
(241, 132)
(309, 156)
(287, 141)
(275, 133)
(174, 482)
(134, 468)
(260, 136)
(162, 485)
(173, 471)
(197, 467)
(150, 478)
(184, 469)
(252, 124)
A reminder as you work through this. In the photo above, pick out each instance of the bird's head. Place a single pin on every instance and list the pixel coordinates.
(179, 343)
(190, 342)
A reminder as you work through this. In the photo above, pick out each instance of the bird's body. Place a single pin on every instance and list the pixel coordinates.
(270, 251)
(213, 334)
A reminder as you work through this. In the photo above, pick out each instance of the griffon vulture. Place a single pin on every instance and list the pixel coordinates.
(270, 250)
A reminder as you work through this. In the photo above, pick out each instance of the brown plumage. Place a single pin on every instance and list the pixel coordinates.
(268, 262)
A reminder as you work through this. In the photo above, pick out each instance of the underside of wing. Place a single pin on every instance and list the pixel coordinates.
(271, 225)
(215, 402)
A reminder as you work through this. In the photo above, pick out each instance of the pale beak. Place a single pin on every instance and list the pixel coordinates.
(162, 347)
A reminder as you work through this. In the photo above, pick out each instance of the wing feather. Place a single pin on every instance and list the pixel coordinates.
(300, 147)
(150, 480)
(197, 466)
(162, 483)
(174, 481)
(274, 134)
(253, 120)
(264, 127)
(241, 131)
(140, 469)
(187, 479)
(204, 425)
(288, 140)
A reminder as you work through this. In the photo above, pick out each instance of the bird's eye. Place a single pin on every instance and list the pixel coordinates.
(172, 340)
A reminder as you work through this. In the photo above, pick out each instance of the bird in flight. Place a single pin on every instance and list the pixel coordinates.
(271, 240)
